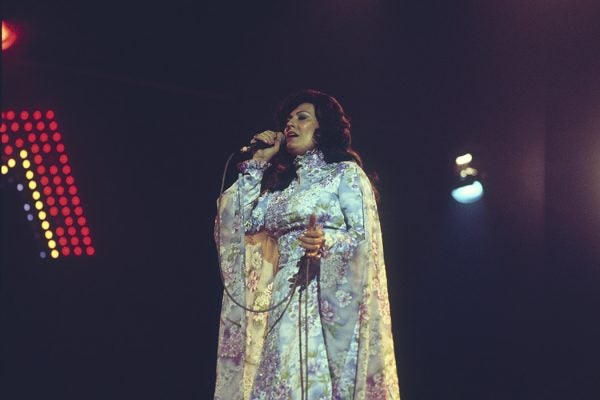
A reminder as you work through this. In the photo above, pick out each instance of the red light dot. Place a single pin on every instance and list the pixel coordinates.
(63, 201)
(44, 180)
(69, 222)
(63, 159)
(8, 150)
(57, 180)
(81, 221)
(75, 241)
(66, 169)
(4, 138)
(53, 169)
(47, 190)
(37, 159)
(3, 127)
(69, 180)
(41, 170)
(53, 211)
(63, 241)
(71, 230)
(35, 148)
(60, 190)
(53, 125)
(85, 231)
(10, 115)
(60, 231)
(66, 211)
(60, 147)
(90, 251)
(87, 240)
(51, 201)
(56, 136)
(44, 137)
(50, 114)
(14, 127)
(78, 211)
(31, 137)
(72, 190)
(37, 114)
(76, 200)
(40, 126)
(19, 143)
(47, 148)
(65, 251)
(28, 126)
(24, 115)
(77, 251)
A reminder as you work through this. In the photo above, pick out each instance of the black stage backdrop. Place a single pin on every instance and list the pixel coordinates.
(496, 300)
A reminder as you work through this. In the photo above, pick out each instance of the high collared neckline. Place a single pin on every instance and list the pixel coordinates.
(311, 159)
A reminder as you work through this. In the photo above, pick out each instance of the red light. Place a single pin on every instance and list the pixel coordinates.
(63, 201)
(53, 211)
(78, 211)
(77, 251)
(63, 241)
(56, 136)
(31, 137)
(8, 36)
(35, 148)
(53, 169)
(56, 180)
(65, 251)
(90, 251)
(28, 126)
(47, 190)
(87, 240)
(76, 200)
(85, 231)
(19, 142)
(66, 211)
(41, 170)
(51, 201)
(75, 241)
(53, 126)
(10, 115)
(71, 230)
(69, 222)
(66, 169)
(14, 126)
(50, 114)
(24, 115)
(69, 180)
(73, 190)
(60, 147)
(81, 221)
(3, 126)
(4, 138)
(46, 148)
(37, 159)
(63, 159)
(60, 190)
(60, 231)
(44, 180)
(40, 126)
(37, 115)
(8, 150)
(44, 137)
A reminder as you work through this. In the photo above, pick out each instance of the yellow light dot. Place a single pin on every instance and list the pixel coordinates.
(39, 205)
(4, 169)
(23, 153)
(54, 254)
(32, 185)
(42, 215)
(36, 195)
(26, 164)
(12, 163)
(48, 234)
(51, 244)
(29, 175)
(45, 225)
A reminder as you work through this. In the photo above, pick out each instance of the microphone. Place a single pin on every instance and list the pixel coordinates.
(258, 145)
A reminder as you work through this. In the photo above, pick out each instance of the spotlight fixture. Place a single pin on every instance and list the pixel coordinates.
(467, 189)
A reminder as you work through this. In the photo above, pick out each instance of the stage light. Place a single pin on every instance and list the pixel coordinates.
(4, 170)
(42, 215)
(66, 169)
(53, 169)
(26, 207)
(26, 164)
(65, 251)
(45, 225)
(53, 126)
(4, 138)
(60, 148)
(60, 231)
(14, 126)
(23, 153)
(467, 188)
(49, 114)
(56, 136)
(47, 191)
(48, 235)
(8, 150)
(43, 137)
(8, 36)
(51, 244)
(73, 190)
(11, 163)
(39, 205)
(63, 159)
(29, 217)
(63, 201)
(42, 254)
(469, 193)
(32, 138)
(36, 195)
(53, 211)
(46, 148)
(40, 126)
(87, 240)
(28, 174)
(77, 250)
(63, 241)
(44, 180)
(20, 187)
(60, 190)
(37, 114)
(90, 251)
(32, 185)
(28, 126)
(464, 159)
(19, 143)
(57, 180)
(24, 115)
(54, 253)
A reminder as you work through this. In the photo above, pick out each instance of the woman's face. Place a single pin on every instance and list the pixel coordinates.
(300, 129)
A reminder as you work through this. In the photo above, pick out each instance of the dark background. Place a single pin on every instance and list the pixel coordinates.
(496, 300)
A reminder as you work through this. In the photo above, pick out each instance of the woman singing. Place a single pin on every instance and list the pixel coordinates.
(315, 321)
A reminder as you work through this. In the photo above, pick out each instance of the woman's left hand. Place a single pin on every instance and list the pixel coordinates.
(312, 239)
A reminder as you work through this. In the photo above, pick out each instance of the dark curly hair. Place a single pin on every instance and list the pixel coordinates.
(332, 137)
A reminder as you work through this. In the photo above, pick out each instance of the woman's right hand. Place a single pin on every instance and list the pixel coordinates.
(269, 137)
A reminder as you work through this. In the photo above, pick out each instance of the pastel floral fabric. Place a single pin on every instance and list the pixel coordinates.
(345, 312)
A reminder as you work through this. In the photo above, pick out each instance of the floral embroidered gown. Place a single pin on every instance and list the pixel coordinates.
(350, 347)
